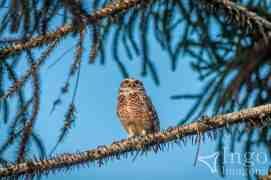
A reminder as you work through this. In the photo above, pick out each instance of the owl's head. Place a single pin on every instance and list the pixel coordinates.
(130, 85)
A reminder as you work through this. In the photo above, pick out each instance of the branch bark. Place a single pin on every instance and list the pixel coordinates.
(259, 115)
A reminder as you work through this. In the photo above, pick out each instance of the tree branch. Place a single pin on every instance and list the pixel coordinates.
(247, 21)
(109, 10)
(259, 116)
(237, 13)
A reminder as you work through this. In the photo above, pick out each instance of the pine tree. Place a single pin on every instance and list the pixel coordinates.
(229, 42)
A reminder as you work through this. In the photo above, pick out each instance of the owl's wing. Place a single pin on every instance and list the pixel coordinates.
(121, 103)
(155, 119)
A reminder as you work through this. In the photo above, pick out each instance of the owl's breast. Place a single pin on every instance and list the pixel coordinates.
(131, 107)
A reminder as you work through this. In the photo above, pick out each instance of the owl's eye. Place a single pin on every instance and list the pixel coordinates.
(131, 83)
(125, 84)
(138, 83)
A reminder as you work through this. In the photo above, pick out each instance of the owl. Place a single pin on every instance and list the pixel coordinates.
(135, 109)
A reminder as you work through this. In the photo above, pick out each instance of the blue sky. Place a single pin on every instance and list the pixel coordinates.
(97, 122)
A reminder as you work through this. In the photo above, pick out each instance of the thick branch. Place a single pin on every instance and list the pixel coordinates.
(256, 116)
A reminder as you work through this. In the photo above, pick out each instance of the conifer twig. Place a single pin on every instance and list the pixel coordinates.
(107, 11)
(259, 115)
(238, 13)
(240, 16)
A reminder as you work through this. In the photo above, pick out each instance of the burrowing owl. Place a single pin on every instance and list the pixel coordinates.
(135, 109)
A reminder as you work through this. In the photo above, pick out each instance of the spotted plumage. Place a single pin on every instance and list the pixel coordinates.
(135, 109)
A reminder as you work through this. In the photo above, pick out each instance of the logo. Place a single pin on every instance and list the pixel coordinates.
(210, 161)
(235, 163)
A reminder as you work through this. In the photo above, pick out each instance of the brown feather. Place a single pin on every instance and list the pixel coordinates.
(135, 109)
